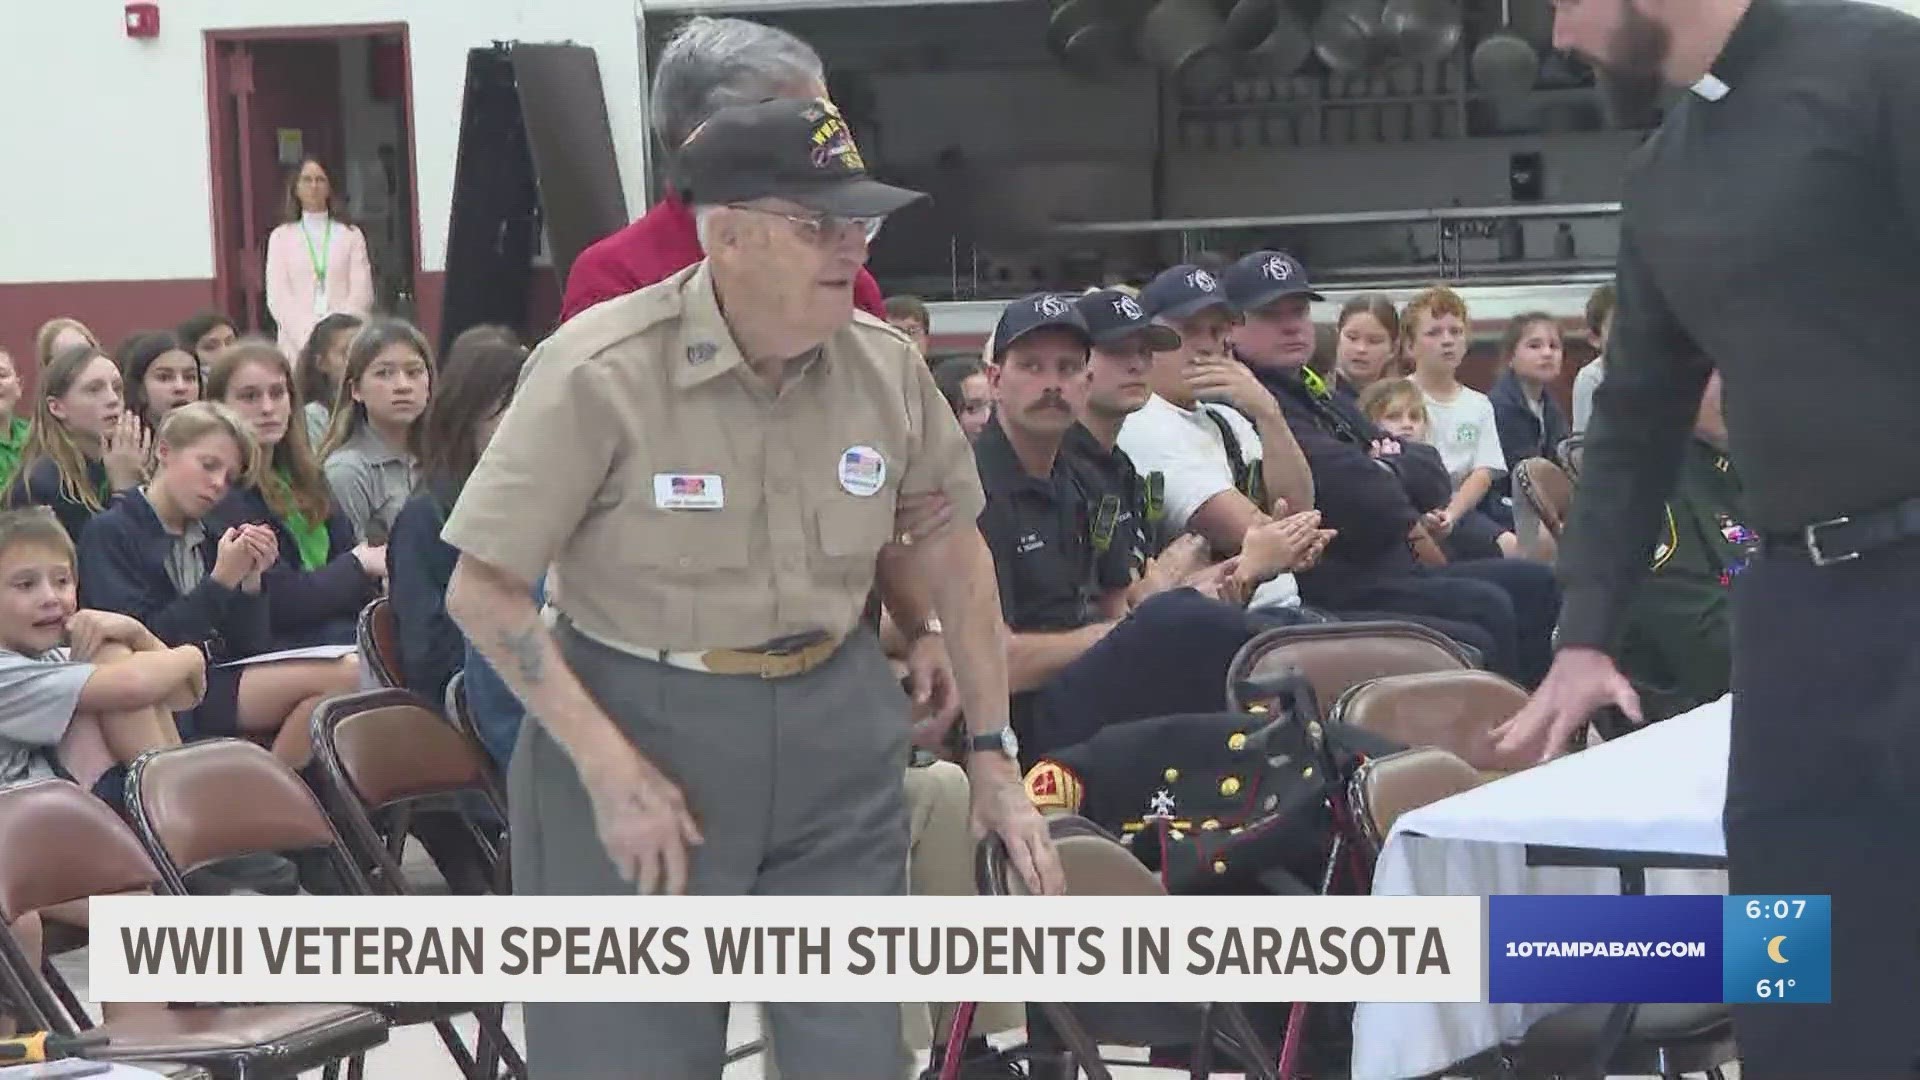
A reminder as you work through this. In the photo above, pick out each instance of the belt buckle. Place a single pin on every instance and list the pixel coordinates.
(1820, 557)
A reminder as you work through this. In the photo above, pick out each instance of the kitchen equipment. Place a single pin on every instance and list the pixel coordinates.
(1421, 30)
(1347, 37)
(1185, 39)
(1504, 62)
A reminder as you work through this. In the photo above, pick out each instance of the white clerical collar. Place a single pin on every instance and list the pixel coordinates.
(1710, 87)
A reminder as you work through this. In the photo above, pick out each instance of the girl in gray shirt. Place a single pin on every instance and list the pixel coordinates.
(389, 375)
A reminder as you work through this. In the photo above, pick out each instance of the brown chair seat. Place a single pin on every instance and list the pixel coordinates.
(1093, 863)
(276, 1039)
(1384, 788)
(1548, 490)
(1335, 657)
(1456, 711)
(378, 635)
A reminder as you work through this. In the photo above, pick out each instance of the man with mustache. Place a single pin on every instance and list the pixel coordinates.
(1090, 644)
(1772, 232)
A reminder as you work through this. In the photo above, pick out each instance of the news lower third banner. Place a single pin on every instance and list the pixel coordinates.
(786, 949)
(1547, 949)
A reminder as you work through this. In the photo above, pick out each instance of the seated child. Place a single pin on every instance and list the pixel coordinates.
(1460, 421)
(150, 556)
(82, 693)
(1397, 407)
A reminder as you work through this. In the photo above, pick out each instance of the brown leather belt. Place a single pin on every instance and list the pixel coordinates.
(767, 665)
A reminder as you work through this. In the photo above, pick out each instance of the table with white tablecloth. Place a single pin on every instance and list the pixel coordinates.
(1657, 791)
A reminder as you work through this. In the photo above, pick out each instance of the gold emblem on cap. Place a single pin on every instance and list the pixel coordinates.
(1230, 786)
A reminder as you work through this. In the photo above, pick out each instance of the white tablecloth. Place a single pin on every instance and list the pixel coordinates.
(1660, 789)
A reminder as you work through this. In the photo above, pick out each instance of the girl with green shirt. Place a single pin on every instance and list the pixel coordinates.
(14, 428)
(323, 578)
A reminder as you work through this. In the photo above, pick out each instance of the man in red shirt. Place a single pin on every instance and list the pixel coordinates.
(709, 65)
(662, 243)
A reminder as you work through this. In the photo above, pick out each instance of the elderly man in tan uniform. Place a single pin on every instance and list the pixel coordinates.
(711, 466)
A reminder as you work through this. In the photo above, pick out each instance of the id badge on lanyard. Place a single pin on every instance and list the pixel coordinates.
(321, 306)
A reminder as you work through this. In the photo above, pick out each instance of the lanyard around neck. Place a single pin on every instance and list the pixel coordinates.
(318, 258)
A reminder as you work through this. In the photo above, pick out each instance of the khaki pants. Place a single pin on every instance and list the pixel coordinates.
(939, 863)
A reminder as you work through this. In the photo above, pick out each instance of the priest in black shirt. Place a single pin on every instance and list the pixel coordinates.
(1772, 230)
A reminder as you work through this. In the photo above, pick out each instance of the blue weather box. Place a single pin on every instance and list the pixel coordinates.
(1778, 949)
(1577, 949)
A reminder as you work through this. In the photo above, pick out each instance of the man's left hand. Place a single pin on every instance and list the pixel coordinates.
(930, 683)
(1001, 807)
(916, 517)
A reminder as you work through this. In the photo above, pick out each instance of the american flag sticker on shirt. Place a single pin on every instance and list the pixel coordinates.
(862, 471)
(688, 491)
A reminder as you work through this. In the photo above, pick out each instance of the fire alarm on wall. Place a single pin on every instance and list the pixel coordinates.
(143, 20)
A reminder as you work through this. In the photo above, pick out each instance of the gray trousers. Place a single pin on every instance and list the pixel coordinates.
(796, 785)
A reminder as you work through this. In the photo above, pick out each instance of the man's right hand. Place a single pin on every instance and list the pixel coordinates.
(1580, 683)
(643, 821)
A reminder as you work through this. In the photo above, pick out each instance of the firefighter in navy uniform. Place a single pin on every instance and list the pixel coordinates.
(1676, 647)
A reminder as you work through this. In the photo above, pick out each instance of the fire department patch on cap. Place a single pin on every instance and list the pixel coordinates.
(1051, 785)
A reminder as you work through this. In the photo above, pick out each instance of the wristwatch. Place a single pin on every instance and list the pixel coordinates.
(1002, 741)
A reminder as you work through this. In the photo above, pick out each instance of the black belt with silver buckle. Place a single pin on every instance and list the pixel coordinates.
(1844, 539)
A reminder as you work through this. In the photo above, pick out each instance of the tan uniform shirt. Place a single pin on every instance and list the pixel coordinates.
(684, 504)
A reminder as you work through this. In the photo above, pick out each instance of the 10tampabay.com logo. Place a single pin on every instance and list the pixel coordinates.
(1736, 949)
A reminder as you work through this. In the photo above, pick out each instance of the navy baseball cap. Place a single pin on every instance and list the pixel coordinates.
(1112, 316)
(789, 148)
(1181, 291)
(1265, 276)
(1038, 311)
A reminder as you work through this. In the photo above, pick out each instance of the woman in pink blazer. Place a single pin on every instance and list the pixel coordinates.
(316, 263)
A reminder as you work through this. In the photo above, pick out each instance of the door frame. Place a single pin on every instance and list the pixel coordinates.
(223, 271)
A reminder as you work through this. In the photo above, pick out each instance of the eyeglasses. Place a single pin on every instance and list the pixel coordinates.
(825, 228)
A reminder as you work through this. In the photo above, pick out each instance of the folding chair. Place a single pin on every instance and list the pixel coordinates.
(60, 844)
(1453, 710)
(1548, 491)
(377, 632)
(1096, 864)
(460, 714)
(1334, 657)
(1569, 454)
(386, 753)
(182, 799)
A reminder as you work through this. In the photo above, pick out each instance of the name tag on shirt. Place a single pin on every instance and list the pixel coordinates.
(687, 491)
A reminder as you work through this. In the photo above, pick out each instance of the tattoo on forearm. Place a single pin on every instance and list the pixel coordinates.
(524, 646)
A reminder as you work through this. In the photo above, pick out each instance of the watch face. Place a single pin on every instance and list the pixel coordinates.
(1009, 742)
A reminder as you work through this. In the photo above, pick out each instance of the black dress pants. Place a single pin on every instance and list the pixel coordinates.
(1823, 797)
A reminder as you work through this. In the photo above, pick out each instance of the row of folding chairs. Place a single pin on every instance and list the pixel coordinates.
(384, 753)
(1418, 689)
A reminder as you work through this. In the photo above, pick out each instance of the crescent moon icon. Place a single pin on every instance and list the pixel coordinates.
(1773, 949)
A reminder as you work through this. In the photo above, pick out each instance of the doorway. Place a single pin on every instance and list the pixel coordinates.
(342, 94)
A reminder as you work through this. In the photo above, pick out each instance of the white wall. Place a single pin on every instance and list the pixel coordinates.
(107, 174)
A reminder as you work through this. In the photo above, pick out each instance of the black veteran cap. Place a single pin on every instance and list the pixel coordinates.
(1038, 312)
(1181, 291)
(1113, 316)
(795, 149)
(1265, 276)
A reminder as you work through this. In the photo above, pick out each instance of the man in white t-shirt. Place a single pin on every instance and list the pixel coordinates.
(1223, 472)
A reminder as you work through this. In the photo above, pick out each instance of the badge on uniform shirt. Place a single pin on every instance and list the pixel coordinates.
(687, 491)
(863, 471)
